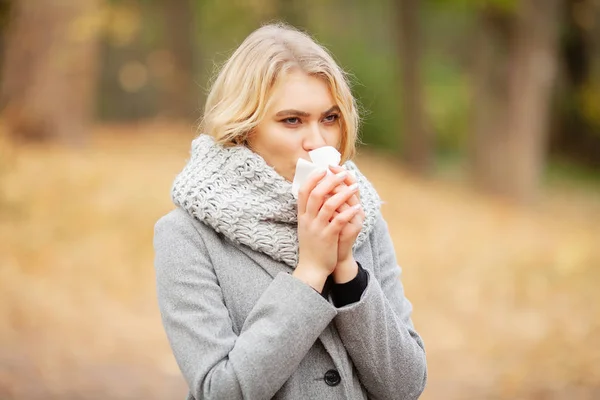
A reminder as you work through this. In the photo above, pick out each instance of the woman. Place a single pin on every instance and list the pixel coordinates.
(263, 295)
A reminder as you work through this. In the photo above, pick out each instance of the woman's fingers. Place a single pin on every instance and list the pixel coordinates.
(341, 208)
(336, 203)
(306, 189)
(318, 195)
(341, 220)
(350, 179)
(358, 218)
(352, 200)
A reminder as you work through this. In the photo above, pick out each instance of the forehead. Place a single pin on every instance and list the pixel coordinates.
(300, 91)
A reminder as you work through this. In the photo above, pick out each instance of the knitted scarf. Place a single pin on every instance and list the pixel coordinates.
(235, 192)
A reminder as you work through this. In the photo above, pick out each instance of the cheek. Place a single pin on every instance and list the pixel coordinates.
(334, 137)
(283, 142)
(279, 146)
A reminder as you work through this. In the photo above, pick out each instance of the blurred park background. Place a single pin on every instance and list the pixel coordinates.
(481, 131)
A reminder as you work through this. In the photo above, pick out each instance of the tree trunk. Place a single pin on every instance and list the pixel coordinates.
(49, 70)
(183, 95)
(490, 101)
(533, 70)
(577, 131)
(515, 75)
(418, 141)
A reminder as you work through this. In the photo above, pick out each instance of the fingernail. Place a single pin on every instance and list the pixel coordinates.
(356, 207)
(341, 174)
(353, 187)
(319, 171)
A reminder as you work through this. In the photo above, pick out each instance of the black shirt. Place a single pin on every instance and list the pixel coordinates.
(350, 292)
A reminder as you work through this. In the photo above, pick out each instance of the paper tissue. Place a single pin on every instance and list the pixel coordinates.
(322, 157)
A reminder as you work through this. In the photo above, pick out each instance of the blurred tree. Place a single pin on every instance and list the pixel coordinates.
(181, 91)
(49, 69)
(5, 13)
(515, 71)
(534, 62)
(490, 98)
(135, 65)
(292, 12)
(418, 142)
(577, 131)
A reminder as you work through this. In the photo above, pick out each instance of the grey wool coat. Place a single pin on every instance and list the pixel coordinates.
(242, 327)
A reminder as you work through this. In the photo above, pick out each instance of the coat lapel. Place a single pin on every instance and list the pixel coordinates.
(271, 266)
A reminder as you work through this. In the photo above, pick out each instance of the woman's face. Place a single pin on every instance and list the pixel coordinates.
(303, 116)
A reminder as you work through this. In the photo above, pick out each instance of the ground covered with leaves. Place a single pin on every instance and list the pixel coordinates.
(505, 297)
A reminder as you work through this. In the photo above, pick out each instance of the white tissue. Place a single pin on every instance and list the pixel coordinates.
(322, 157)
(325, 156)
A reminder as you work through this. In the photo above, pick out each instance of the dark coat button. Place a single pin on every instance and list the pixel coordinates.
(332, 377)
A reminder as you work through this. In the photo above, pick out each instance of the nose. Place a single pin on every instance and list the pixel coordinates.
(314, 138)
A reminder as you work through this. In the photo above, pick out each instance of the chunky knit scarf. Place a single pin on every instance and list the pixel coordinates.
(235, 192)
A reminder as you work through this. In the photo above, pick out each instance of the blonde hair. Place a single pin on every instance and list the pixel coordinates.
(240, 95)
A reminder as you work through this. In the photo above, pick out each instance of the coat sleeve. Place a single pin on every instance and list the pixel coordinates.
(217, 363)
(378, 332)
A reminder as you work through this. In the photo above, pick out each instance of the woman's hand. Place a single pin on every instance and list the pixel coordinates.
(320, 225)
(347, 269)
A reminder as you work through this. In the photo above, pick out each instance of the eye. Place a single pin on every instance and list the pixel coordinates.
(331, 118)
(291, 121)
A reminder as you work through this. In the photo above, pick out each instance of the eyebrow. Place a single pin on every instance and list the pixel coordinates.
(298, 113)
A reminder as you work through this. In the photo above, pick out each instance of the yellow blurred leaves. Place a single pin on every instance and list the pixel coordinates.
(572, 256)
(123, 23)
(507, 294)
(119, 22)
(590, 102)
(86, 27)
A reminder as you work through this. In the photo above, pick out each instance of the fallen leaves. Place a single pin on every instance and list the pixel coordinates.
(505, 298)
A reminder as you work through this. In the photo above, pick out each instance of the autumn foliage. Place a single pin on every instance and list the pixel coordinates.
(505, 298)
